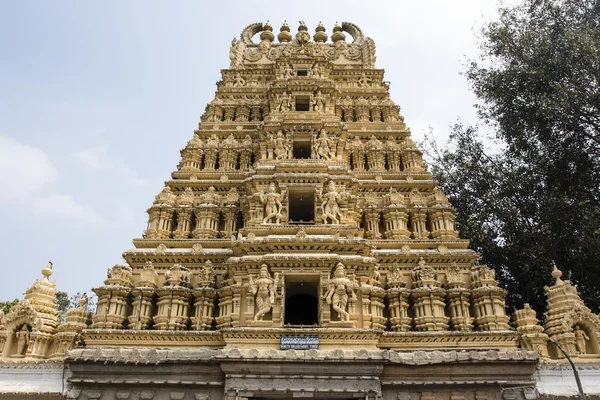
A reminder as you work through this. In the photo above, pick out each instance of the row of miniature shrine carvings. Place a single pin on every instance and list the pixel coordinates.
(210, 215)
(231, 154)
(255, 109)
(179, 305)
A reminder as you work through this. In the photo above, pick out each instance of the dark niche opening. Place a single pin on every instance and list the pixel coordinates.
(302, 103)
(301, 148)
(301, 206)
(301, 300)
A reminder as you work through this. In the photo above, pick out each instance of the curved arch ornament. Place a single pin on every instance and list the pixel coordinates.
(250, 31)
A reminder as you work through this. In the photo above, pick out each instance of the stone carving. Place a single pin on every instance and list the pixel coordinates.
(264, 288)
(148, 275)
(210, 197)
(340, 288)
(330, 205)
(375, 275)
(324, 146)
(206, 276)
(283, 102)
(281, 146)
(301, 234)
(318, 102)
(23, 337)
(177, 276)
(364, 81)
(580, 339)
(272, 201)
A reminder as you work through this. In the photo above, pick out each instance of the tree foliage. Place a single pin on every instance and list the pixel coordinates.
(538, 201)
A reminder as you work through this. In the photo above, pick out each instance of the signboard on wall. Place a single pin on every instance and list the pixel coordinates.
(299, 342)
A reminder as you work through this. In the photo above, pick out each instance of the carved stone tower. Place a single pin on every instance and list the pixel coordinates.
(302, 216)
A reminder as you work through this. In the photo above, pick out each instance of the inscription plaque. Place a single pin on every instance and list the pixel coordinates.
(299, 342)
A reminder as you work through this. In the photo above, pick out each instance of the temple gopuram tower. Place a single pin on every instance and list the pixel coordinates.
(302, 250)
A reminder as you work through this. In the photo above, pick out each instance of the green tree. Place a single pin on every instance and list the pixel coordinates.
(5, 306)
(538, 201)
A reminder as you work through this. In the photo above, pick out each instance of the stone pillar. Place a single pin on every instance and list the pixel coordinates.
(489, 308)
(204, 298)
(396, 222)
(161, 215)
(419, 223)
(532, 334)
(442, 223)
(191, 160)
(255, 113)
(185, 202)
(224, 316)
(245, 158)
(144, 297)
(174, 300)
(428, 298)
(229, 113)
(458, 300)
(113, 307)
(230, 213)
(210, 159)
(372, 223)
(242, 113)
(207, 221)
(398, 294)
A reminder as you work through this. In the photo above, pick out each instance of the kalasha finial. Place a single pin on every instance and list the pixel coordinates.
(556, 274)
(48, 270)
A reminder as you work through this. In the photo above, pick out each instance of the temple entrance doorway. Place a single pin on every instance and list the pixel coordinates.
(302, 205)
(301, 300)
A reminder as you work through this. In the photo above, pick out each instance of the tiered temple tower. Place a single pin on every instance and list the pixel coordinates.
(303, 216)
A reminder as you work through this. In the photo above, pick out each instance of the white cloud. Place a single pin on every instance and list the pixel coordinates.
(24, 170)
(64, 205)
(98, 158)
(94, 157)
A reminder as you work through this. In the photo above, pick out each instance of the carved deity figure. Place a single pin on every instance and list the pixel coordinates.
(580, 339)
(340, 287)
(284, 102)
(281, 146)
(264, 288)
(364, 81)
(22, 340)
(330, 205)
(210, 197)
(324, 147)
(287, 72)
(375, 275)
(318, 102)
(238, 80)
(272, 201)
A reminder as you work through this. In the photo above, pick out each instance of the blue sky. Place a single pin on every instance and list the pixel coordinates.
(97, 99)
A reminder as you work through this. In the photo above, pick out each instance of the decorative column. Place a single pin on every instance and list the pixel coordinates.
(372, 216)
(230, 212)
(442, 222)
(161, 215)
(113, 307)
(376, 299)
(458, 300)
(204, 298)
(242, 113)
(144, 297)
(185, 203)
(419, 223)
(229, 113)
(246, 153)
(228, 153)
(375, 155)
(255, 113)
(207, 215)
(210, 153)
(489, 308)
(357, 152)
(394, 160)
(362, 110)
(191, 156)
(398, 294)
(532, 336)
(174, 300)
(428, 298)
(225, 295)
